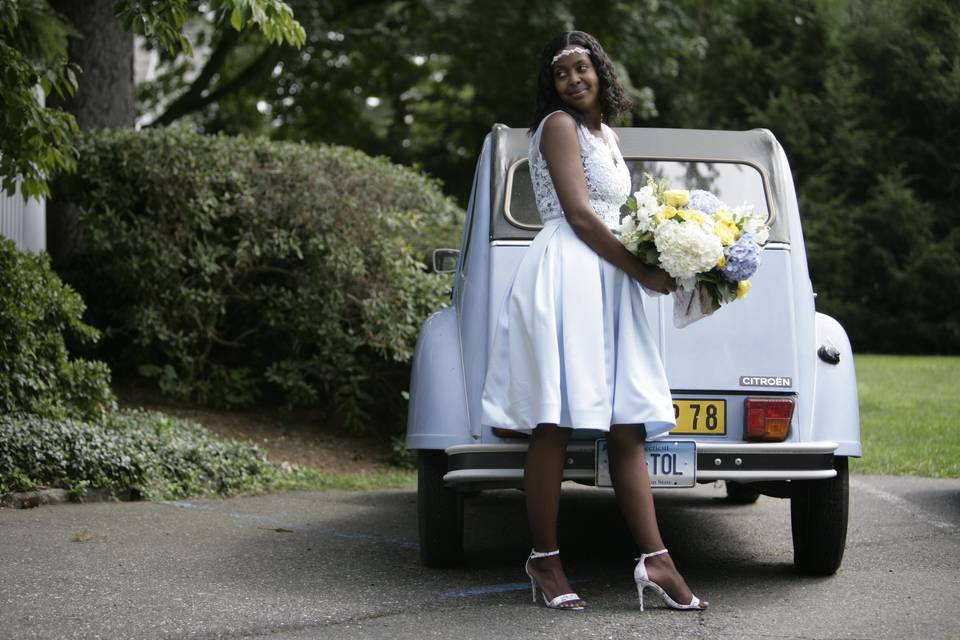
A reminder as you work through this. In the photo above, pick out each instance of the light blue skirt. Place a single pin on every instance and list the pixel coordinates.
(572, 345)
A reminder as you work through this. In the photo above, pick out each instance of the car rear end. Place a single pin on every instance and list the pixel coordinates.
(741, 384)
(750, 384)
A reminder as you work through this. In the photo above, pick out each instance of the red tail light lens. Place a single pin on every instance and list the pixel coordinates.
(767, 419)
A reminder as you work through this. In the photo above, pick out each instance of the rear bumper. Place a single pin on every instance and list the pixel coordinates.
(502, 464)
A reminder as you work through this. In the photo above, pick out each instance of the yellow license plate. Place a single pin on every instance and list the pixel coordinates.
(700, 417)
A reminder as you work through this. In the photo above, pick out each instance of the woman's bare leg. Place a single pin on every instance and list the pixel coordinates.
(542, 476)
(631, 482)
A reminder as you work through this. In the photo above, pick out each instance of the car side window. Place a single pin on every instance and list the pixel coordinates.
(521, 205)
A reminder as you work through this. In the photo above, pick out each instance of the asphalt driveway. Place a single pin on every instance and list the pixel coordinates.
(344, 565)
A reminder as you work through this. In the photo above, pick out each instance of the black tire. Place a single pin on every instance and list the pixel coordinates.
(740, 493)
(818, 515)
(439, 511)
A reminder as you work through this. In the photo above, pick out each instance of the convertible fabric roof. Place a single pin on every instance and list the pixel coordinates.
(757, 147)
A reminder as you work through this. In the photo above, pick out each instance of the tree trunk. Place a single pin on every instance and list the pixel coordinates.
(105, 55)
(104, 99)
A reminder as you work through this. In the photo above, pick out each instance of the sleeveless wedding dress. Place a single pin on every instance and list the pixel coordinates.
(572, 345)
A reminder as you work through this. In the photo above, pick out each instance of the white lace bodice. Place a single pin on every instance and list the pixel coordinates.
(608, 179)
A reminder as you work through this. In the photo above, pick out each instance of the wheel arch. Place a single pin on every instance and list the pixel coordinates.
(437, 415)
(836, 411)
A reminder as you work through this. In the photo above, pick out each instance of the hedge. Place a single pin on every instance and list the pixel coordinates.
(229, 269)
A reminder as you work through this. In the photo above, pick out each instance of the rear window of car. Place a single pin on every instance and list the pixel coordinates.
(735, 183)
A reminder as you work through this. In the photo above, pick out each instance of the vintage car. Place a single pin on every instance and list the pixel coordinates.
(764, 389)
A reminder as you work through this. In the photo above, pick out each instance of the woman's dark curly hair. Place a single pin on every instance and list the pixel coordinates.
(613, 99)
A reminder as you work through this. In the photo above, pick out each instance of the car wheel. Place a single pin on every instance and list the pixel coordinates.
(739, 493)
(439, 511)
(818, 514)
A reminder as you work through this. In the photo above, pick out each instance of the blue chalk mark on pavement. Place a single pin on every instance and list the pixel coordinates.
(494, 588)
(484, 590)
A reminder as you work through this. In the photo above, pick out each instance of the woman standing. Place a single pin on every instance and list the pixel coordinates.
(572, 348)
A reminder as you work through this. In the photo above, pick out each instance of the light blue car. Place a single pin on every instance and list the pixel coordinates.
(764, 389)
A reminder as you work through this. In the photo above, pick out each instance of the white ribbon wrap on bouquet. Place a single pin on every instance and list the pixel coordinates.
(691, 304)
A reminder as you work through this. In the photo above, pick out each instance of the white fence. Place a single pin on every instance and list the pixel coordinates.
(24, 221)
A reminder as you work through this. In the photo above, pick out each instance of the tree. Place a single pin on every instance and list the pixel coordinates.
(865, 97)
(421, 82)
(882, 205)
(104, 52)
(34, 141)
(37, 141)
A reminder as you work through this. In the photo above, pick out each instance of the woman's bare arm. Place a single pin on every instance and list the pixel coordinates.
(561, 149)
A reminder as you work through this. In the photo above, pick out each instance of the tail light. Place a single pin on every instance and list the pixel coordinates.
(767, 419)
(509, 433)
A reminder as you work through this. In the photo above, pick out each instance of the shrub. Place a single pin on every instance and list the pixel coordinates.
(148, 455)
(227, 268)
(37, 313)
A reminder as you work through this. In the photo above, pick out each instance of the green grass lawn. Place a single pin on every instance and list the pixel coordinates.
(909, 415)
(310, 479)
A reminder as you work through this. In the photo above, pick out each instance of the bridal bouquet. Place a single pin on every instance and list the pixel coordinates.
(710, 248)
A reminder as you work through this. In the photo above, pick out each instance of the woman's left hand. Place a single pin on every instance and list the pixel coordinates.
(656, 279)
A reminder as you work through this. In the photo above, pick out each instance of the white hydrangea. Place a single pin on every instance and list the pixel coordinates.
(686, 249)
(631, 242)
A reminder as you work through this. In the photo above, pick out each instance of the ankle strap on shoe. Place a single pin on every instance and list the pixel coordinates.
(644, 556)
(534, 554)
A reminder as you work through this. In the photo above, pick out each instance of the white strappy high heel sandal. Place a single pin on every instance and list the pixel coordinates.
(643, 581)
(559, 601)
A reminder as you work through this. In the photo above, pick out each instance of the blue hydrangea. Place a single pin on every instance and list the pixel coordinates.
(743, 258)
(704, 201)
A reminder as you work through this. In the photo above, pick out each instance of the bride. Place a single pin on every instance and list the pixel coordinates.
(572, 348)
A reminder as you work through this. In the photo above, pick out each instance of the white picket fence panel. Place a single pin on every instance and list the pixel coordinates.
(24, 221)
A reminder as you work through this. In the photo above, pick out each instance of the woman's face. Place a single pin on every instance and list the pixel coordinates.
(576, 81)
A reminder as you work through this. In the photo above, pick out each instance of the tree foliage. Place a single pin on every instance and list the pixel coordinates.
(38, 141)
(863, 95)
(162, 21)
(34, 141)
(867, 110)
(421, 82)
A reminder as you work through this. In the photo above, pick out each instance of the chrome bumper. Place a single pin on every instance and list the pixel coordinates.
(502, 464)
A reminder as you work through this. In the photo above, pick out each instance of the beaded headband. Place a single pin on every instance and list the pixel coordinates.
(567, 52)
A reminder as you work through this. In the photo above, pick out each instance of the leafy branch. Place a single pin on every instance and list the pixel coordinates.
(37, 141)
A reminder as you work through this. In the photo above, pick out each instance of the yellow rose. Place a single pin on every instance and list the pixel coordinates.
(692, 216)
(723, 215)
(727, 232)
(676, 197)
(742, 288)
(665, 213)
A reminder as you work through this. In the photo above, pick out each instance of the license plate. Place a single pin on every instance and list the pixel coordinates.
(700, 417)
(670, 464)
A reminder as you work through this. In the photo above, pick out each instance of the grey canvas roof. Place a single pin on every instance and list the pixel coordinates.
(757, 147)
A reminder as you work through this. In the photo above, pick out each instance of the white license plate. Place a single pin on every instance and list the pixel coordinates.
(669, 463)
